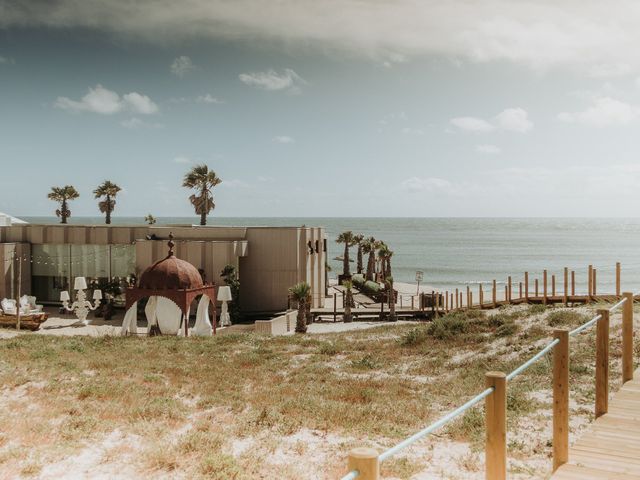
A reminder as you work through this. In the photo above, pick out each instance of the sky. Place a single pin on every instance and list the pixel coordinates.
(333, 108)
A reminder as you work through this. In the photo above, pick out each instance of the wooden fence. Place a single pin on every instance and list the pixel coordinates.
(364, 463)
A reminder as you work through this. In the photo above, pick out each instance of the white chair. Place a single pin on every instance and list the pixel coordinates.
(9, 306)
(33, 305)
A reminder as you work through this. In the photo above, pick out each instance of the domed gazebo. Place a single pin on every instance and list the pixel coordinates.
(174, 279)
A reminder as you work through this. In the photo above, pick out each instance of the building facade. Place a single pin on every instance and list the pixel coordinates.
(44, 259)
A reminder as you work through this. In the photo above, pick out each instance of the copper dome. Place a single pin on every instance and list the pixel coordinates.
(171, 273)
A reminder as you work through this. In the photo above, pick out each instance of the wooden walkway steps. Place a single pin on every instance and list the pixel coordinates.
(610, 448)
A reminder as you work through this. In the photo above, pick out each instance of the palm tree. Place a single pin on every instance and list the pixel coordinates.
(109, 190)
(300, 292)
(347, 317)
(348, 239)
(357, 240)
(392, 300)
(203, 180)
(150, 219)
(369, 247)
(63, 195)
(382, 259)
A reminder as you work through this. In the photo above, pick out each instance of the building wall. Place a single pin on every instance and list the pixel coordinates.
(269, 259)
(15, 257)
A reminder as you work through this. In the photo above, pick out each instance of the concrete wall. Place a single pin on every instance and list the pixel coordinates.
(280, 258)
(280, 325)
(269, 259)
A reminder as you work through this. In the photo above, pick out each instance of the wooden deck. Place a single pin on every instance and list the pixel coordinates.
(610, 449)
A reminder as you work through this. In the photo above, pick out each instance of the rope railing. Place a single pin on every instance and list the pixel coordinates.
(369, 460)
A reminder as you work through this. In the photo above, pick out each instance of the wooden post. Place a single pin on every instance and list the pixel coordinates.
(446, 301)
(565, 290)
(520, 290)
(508, 298)
(595, 290)
(451, 302)
(468, 297)
(506, 294)
(412, 303)
(335, 307)
(526, 287)
(590, 282)
(480, 295)
(627, 338)
(494, 294)
(602, 363)
(553, 285)
(365, 460)
(544, 287)
(457, 305)
(561, 399)
(496, 427)
(460, 299)
(400, 295)
(536, 289)
(19, 291)
(433, 303)
(617, 279)
(573, 283)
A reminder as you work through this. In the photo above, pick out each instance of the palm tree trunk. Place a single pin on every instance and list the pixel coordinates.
(108, 212)
(346, 269)
(301, 321)
(63, 214)
(359, 259)
(389, 266)
(203, 212)
(371, 265)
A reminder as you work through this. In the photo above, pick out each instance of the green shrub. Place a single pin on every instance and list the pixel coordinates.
(506, 329)
(415, 336)
(365, 363)
(562, 318)
(535, 309)
(448, 326)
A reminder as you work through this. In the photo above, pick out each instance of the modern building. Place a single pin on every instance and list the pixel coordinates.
(269, 259)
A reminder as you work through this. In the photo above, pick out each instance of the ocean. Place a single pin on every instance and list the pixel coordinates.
(455, 252)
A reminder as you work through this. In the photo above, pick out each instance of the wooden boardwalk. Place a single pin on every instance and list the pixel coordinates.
(610, 448)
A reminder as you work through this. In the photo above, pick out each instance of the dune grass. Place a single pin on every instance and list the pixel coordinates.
(186, 401)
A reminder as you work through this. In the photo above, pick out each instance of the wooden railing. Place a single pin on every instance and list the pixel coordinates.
(364, 463)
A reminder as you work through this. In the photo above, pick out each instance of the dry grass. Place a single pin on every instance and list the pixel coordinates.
(245, 406)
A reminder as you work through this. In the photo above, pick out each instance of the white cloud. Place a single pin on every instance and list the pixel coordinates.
(107, 102)
(181, 66)
(472, 124)
(604, 112)
(181, 159)
(140, 103)
(208, 98)
(272, 80)
(283, 139)
(510, 119)
(488, 149)
(536, 33)
(515, 120)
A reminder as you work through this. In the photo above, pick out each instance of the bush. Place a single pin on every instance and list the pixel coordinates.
(535, 309)
(562, 318)
(506, 329)
(448, 326)
(415, 336)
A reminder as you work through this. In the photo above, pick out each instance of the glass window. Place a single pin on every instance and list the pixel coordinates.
(50, 271)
